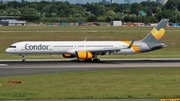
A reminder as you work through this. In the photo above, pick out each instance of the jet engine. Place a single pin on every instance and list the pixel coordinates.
(84, 55)
(68, 55)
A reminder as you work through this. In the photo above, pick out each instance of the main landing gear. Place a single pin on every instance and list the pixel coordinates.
(96, 59)
(23, 59)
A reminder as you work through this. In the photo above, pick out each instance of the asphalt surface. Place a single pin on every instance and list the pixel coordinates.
(16, 67)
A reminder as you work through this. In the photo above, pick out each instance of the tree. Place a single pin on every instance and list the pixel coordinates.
(111, 15)
(64, 11)
(98, 10)
(91, 18)
(175, 17)
(124, 8)
(4, 13)
(30, 14)
(135, 8)
(164, 14)
(173, 4)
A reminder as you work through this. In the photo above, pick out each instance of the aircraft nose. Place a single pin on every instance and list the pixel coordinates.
(7, 50)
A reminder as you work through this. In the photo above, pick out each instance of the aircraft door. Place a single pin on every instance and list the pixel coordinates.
(50, 47)
(23, 48)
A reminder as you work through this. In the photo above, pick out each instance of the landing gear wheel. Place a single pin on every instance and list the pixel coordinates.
(96, 60)
(88, 60)
(23, 60)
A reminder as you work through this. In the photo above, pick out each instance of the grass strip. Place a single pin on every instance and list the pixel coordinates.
(141, 83)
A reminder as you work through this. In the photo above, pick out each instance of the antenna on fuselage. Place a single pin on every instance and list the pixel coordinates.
(85, 39)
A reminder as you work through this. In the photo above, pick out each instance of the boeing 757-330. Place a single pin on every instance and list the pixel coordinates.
(89, 50)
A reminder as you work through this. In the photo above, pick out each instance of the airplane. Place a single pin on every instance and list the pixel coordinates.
(89, 50)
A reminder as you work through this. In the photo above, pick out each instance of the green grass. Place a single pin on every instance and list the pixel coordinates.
(39, 28)
(151, 83)
(108, 34)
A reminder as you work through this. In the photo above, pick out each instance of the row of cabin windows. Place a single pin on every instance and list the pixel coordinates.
(87, 46)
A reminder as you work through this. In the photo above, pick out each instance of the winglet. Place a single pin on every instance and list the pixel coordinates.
(130, 45)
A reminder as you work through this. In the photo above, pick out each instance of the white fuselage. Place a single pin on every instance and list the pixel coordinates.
(70, 47)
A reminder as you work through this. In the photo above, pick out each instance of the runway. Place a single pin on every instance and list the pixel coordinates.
(16, 67)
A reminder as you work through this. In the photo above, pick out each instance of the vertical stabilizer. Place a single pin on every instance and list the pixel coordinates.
(156, 34)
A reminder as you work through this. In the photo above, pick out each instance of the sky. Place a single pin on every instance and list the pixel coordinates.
(90, 1)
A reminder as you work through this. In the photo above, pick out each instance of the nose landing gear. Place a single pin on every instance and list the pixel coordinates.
(23, 59)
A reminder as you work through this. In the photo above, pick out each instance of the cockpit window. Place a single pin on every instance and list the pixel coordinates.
(12, 47)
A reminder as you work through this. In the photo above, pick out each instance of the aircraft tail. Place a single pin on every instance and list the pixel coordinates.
(156, 34)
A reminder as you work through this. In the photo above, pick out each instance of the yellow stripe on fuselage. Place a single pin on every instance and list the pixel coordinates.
(133, 46)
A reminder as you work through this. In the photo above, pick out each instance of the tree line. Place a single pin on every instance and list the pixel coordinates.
(45, 11)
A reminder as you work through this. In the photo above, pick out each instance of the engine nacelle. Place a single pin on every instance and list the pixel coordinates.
(84, 55)
(68, 55)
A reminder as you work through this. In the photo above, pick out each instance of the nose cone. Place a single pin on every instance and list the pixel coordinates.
(8, 50)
